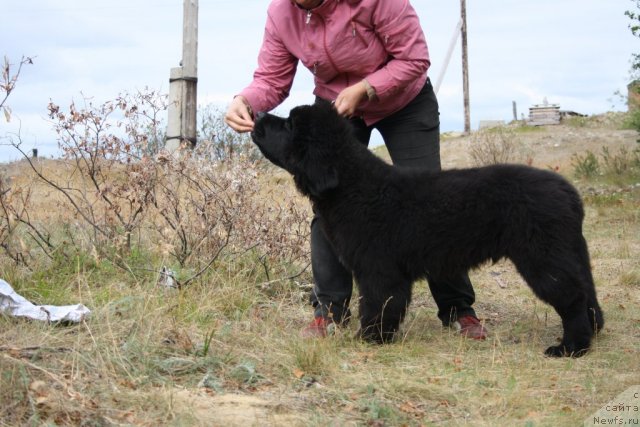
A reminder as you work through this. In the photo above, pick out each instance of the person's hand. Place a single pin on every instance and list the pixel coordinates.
(238, 116)
(349, 99)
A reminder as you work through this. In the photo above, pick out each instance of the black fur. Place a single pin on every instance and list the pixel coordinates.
(391, 225)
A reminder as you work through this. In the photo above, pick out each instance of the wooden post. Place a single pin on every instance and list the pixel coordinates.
(515, 111)
(465, 67)
(183, 88)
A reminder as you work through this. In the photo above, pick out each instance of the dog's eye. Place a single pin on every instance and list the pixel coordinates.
(287, 125)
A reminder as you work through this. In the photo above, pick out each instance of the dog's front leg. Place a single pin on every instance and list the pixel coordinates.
(383, 305)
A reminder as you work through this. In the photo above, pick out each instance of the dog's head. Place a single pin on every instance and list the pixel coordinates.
(306, 144)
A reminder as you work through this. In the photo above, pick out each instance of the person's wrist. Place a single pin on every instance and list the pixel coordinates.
(244, 102)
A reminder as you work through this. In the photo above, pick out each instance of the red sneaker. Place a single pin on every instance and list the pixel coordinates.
(470, 327)
(319, 328)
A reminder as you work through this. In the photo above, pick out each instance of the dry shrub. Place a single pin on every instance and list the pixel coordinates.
(15, 214)
(496, 145)
(209, 206)
(116, 195)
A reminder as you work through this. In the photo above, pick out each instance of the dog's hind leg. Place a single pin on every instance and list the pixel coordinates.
(577, 334)
(596, 318)
(558, 281)
(383, 305)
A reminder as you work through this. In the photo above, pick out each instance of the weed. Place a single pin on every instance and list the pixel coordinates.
(311, 356)
(585, 166)
(632, 121)
(496, 145)
(576, 121)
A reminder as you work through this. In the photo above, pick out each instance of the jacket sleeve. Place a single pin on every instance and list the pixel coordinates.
(273, 78)
(398, 27)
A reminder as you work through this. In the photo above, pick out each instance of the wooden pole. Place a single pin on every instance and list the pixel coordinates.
(183, 102)
(465, 67)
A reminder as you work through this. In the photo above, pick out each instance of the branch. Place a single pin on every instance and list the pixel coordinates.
(8, 80)
(206, 267)
(61, 190)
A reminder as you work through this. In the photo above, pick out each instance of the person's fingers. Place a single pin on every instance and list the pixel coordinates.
(238, 116)
(348, 100)
(344, 107)
(238, 123)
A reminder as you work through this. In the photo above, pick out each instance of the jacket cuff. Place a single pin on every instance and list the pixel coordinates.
(371, 91)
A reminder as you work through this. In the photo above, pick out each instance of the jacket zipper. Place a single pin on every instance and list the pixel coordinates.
(324, 42)
(355, 32)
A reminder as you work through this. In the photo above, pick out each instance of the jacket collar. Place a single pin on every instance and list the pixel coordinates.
(323, 9)
(293, 2)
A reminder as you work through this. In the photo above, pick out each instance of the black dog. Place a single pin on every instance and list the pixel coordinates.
(391, 225)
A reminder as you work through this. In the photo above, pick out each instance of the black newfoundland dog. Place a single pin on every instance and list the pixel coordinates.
(392, 225)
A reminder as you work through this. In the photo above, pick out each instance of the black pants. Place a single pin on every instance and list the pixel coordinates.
(412, 136)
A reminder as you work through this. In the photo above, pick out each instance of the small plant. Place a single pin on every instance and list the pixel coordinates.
(613, 165)
(585, 166)
(311, 357)
(632, 120)
(616, 163)
(495, 146)
(576, 121)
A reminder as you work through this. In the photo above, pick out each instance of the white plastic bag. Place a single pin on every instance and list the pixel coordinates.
(16, 305)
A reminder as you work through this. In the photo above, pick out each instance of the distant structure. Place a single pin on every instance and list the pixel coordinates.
(544, 114)
(568, 113)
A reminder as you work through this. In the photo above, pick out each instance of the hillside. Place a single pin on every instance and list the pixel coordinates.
(553, 146)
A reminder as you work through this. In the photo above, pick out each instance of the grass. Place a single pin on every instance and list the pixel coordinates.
(226, 349)
(144, 346)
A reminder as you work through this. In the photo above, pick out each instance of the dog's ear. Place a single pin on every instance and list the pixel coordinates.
(319, 178)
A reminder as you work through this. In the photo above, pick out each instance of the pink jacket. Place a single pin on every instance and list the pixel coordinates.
(342, 42)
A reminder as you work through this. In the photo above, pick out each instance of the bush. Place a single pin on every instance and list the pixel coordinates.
(623, 163)
(497, 145)
(110, 196)
(586, 166)
(632, 121)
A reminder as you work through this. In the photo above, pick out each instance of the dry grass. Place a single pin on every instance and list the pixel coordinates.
(226, 351)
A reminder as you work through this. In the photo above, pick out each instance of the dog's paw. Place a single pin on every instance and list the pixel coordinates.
(374, 335)
(563, 351)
